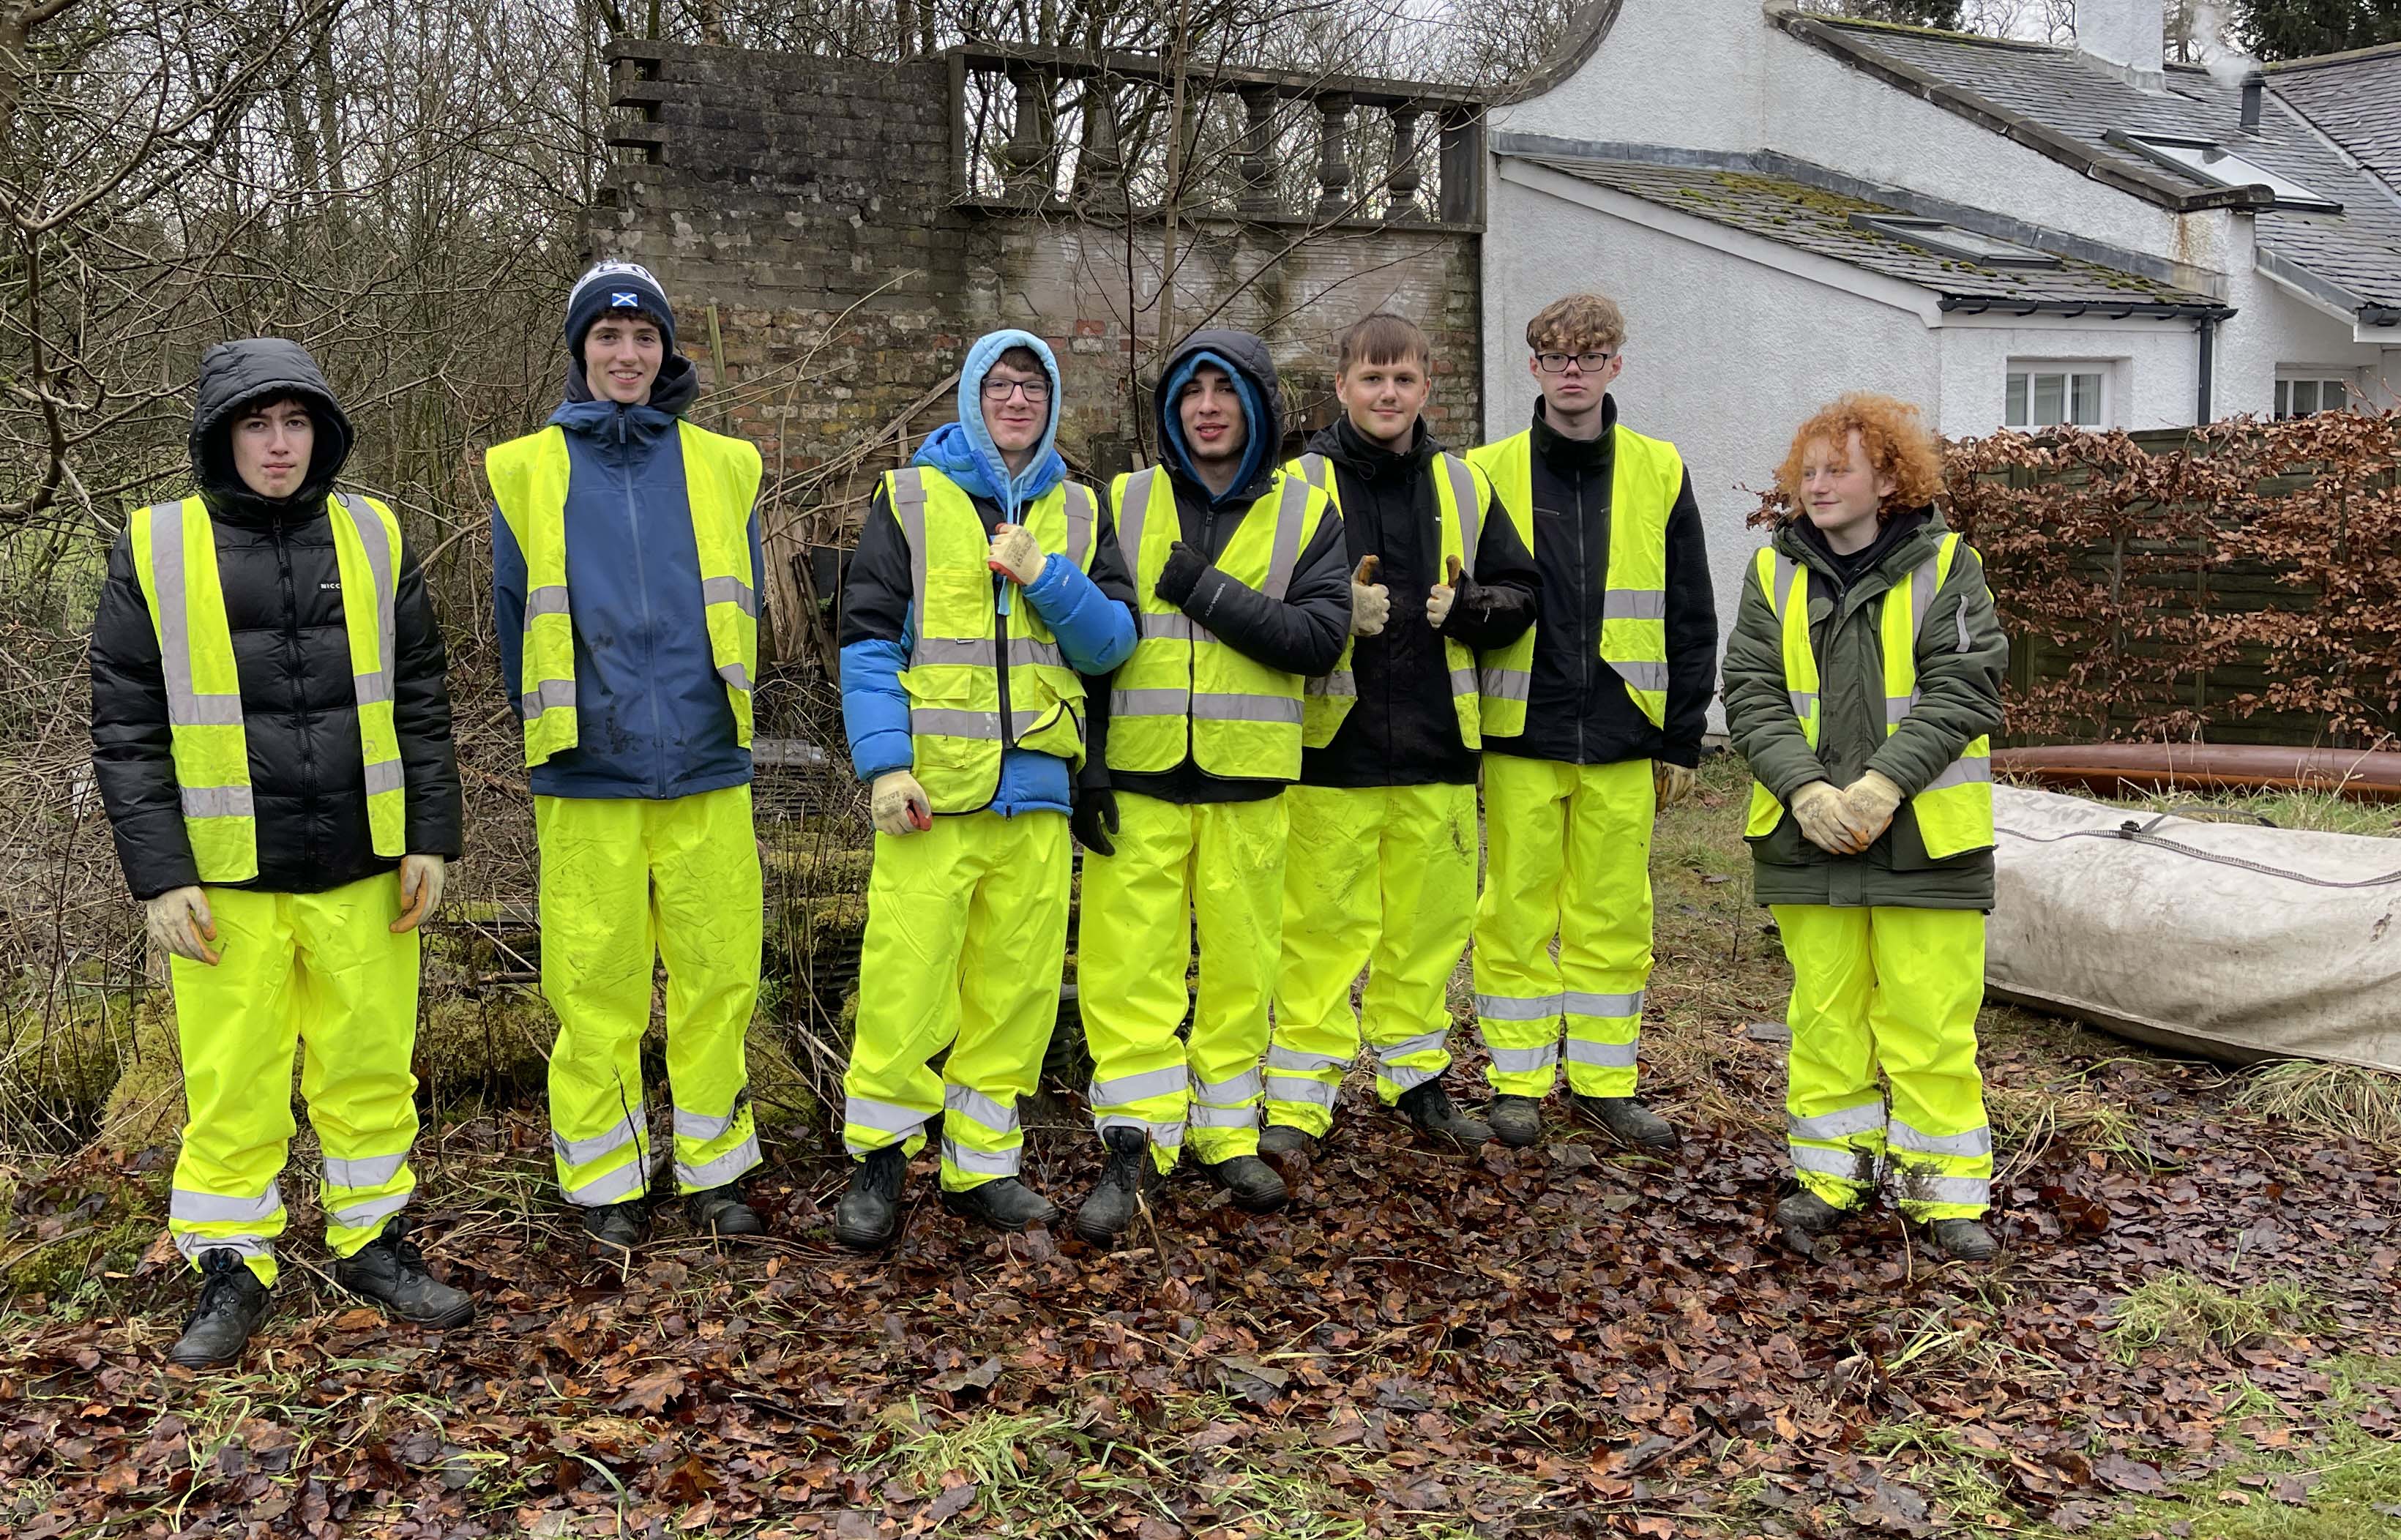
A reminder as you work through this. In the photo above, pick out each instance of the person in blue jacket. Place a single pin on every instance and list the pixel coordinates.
(986, 586)
(625, 582)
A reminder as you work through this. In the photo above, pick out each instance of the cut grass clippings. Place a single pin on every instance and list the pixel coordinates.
(2331, 1100)
(2175, 1309)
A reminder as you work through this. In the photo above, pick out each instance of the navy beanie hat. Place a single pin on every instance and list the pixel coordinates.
(616, 286)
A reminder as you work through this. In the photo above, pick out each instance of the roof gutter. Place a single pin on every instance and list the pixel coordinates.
(2109, 310)
(2379, 315)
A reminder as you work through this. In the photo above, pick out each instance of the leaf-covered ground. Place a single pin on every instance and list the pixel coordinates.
(2194, 1331)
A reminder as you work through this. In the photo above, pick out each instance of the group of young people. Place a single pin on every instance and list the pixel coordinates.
(1259, 692)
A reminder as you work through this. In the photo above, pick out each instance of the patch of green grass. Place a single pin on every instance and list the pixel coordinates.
(2176, 1309)
(2321, 811)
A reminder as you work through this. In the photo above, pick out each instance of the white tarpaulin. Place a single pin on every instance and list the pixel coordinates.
(2231, 940)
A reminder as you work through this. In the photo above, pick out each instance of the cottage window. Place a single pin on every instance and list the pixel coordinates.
(2050, 395)
(2305, 394)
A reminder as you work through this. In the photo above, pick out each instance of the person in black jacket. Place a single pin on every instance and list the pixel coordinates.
(1242, 594)
(1382, 870)
(271, 735)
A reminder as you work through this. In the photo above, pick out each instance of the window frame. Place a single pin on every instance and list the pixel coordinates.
(2319, 375)
(2067, 369)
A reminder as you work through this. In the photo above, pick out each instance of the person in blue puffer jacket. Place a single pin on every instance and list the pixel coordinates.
(986, 586)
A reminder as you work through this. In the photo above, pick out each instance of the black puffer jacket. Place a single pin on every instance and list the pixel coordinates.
(283, 597)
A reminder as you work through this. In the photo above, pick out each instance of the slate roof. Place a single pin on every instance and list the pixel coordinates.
(2065, 105)
(1793, 212)
(2354, 99)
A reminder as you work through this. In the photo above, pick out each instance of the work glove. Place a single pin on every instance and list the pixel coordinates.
(1819, 809)
(1094, 819)
(1371, 602)
(899, 804)
(1672, 783)
(1016, 554)
(1868, 804)
(1181, 575)
(179, 922)
(1443, 595)
(420, 891)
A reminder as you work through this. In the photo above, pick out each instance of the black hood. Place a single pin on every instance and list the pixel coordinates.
(1354, 451)
(1256, 373)
(235, 374)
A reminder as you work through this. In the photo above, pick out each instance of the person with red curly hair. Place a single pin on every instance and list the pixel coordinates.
(1863, 684)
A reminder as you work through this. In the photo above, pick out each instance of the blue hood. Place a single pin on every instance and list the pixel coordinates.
(964, 450)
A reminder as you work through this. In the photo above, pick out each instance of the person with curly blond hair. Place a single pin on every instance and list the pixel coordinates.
(1863, 684)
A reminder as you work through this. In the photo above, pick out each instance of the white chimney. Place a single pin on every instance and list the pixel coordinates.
(2125, 37)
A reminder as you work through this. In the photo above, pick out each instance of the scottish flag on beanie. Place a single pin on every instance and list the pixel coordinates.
(607, 286)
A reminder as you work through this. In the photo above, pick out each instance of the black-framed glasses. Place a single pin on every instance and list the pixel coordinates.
(1556, 363)
(997, 391)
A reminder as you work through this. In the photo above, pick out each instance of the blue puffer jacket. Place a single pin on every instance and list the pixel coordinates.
(651, 712)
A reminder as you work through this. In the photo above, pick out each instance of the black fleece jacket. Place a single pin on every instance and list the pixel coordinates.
(283, 597)
(1403, 730)
(1577, 710)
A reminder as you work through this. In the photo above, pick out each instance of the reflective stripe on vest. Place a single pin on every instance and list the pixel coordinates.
(1462, 498)
(1183, 692)
(1954, 811)
(175, 559)
(529, 482)
(954, 673)
(1646, 475)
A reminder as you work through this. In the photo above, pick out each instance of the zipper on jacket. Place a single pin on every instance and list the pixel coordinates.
(650, 622)
(299, 696)
(1586, 643)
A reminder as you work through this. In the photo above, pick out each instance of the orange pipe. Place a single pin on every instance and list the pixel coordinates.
(2110, 769)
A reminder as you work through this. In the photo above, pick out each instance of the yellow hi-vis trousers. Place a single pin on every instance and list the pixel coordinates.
(1896, 990)
(626, 881)
(1383, 878)
(326, 971)
(1566, 855)
(967, 935)
(1221, 865)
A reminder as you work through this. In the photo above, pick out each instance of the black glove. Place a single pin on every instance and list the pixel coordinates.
(1095, 807)
(1182, 575)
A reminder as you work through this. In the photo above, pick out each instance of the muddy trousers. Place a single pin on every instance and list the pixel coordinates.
(324, 973)
(966, 936)
(1893, 991)
(1567, 856)
(627, 882)
(1216, 868)
(1381, 878)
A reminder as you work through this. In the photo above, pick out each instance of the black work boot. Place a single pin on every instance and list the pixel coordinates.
(1430, 1107)
(232, 1303)
(616, 1228)
(1284, 1139)
(1962, 1239)
(1629, 1123)
(1004, 1203)
(869, 1215)
(723, 1211)
(1254, 1183)
(1516, 1121)
(1804, 1217)
(390, 1270)
(1117, 1197)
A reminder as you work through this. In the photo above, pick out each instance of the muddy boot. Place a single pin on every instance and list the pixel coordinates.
(615, 1229)
(1804, 1217)
(390, 1270)
(1254, 1183)
(1284, 1139)
(869, 1215)
(1516, 1121)
(1630, 1123)
(1117, 1197)
(1430, 1107)
(1962, 1239)
(723, 1212)
(232, 1303)
(1004, 1203)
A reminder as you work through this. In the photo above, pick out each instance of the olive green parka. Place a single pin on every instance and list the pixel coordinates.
(1962, 656)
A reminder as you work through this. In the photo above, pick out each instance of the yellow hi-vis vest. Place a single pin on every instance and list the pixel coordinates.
(1645, 477)
(1954, 811)
(954, 669)
(721, 475)
(1462, 498)
(175, 557)
(1182, 689)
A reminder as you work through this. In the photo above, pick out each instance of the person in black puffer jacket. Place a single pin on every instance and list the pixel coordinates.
(271, 737)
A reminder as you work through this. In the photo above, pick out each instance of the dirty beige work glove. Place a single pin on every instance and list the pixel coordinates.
(1016, 554)
(899, 803)
(1672, 783)
(179, 922)
(1868, 804)
(1443, 595)
(1371, 602)
(420, 891)
(1819, 809)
